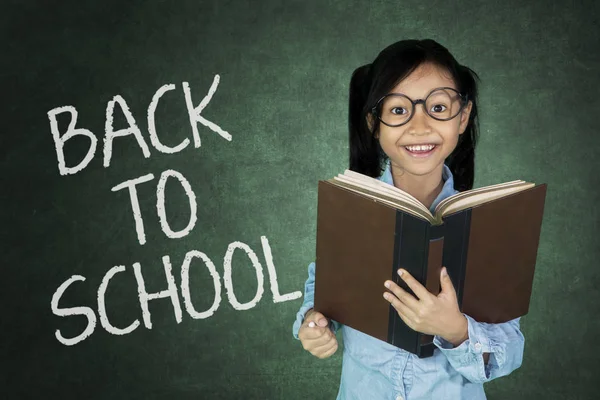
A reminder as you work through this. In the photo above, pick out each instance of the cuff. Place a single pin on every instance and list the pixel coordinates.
(469, 354)
(333, 325)
(300, 317)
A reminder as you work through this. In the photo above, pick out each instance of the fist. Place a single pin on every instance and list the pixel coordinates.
(315, 335)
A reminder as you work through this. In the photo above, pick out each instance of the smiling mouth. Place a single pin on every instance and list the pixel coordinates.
(421, 149)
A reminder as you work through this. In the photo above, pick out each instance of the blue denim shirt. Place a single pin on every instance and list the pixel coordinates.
(373, 369)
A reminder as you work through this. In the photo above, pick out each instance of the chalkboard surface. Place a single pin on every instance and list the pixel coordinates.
(160, 164)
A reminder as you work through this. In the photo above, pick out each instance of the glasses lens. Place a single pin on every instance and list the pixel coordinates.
(395, 109)
(443, 104)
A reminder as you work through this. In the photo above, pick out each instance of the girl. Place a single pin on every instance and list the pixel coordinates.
(413, 124)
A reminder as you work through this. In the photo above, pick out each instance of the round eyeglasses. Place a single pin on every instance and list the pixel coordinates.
(442, 104)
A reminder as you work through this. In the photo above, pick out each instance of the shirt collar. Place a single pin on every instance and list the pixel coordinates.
(447, 189)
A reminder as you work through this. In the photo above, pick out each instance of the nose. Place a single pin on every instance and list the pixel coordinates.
(419, 123)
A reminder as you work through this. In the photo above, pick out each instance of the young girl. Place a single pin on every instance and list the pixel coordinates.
(413, 124)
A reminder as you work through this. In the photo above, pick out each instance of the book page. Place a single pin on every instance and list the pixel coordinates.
(367, 181)
(466, 193)
(480, 197)
(382, 198)
(391, 195)
(382, 190)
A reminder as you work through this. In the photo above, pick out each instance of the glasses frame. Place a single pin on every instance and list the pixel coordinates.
(464, 100)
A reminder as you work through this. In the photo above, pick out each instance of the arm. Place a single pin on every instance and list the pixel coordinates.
(309, 302)
(459, 337)
(489, 351)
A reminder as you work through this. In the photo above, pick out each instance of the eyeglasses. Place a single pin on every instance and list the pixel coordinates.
(442, 104)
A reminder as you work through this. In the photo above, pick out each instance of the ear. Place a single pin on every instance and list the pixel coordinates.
(464, 118)
(370, 122)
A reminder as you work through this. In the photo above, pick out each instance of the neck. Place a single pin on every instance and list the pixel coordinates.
(424, 188)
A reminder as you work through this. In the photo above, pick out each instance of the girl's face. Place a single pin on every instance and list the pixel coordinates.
(422, 129)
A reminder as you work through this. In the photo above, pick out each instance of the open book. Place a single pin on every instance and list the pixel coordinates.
(381, 191)
(487, 238)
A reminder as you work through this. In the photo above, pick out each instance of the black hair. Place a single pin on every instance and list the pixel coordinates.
(372, 81)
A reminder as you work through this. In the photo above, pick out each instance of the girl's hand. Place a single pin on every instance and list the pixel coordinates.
(315, 335)
(427, 313)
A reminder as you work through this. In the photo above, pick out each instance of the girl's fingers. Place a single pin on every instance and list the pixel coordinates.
(419, 290)
(330, 352)
(406, 320)
(402, 295)
(313, 338)
(315, 332)
(326, 349)
(321, 341)
(399, 306)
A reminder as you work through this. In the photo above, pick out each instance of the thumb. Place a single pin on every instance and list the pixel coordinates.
(445, 282)
(317, 319)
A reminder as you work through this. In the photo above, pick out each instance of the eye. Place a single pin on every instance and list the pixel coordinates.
(398, 111)
(438, 108)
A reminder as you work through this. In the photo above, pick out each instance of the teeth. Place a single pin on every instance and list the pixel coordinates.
(426, 147)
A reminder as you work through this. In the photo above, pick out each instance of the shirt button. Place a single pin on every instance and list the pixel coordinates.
(477, 346)
(399, 398)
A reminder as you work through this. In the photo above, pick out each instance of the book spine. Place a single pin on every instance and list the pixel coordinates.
(431, 281)
(411, 250)
(422, 249)
(392, 321)
(456, 244)
(448, 247)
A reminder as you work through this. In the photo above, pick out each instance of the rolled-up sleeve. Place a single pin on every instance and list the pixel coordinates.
(309, 302)
(504, 342)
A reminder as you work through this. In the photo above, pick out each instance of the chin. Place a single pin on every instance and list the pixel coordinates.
(422, 169)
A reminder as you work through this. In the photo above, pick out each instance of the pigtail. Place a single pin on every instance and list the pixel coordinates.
(365, 151)
(462, 160)
(462, 163)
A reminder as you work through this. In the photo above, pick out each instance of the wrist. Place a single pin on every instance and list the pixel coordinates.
(459, 332)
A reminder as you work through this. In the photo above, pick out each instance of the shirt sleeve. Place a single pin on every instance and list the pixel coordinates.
(309, 302)
(503, 341)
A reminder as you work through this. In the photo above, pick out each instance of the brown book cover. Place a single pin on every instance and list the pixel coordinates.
(489, 250)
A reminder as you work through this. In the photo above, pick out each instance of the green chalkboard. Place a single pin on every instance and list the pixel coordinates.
(200, 130)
